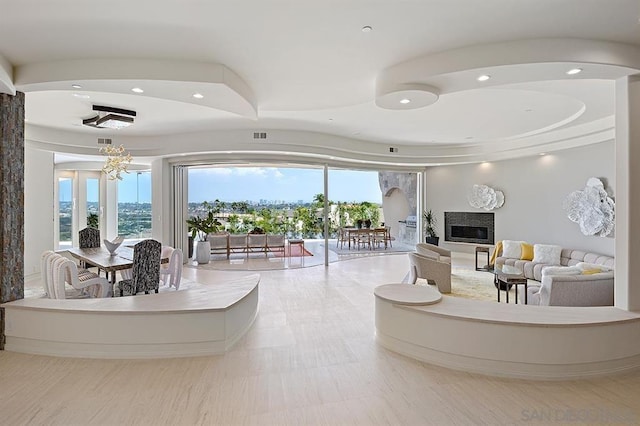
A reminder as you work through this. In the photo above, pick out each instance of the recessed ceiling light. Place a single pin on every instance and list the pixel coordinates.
(76, 86)
(484, 77)
(528, 110)
(137, 90)
(366, 29)
(198, 95)
(81, 96)
(331, 119)
(574, 71)
(542, 153)
(405, 101)
(469, 137)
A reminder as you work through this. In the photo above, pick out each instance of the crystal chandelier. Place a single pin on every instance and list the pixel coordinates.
(116, 163)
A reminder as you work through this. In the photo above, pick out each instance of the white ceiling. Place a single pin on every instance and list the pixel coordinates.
(306, 66)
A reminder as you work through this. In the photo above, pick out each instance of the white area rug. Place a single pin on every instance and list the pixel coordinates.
(475, 285)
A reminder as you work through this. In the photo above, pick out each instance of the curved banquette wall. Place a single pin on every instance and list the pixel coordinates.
(204, 320)
(533, 342)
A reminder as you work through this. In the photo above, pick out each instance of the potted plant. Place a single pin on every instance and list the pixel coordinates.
(93, 221)
(200, 228)
(431, 236)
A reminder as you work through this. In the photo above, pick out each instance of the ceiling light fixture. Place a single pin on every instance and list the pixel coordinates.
(198, 95)
(110, 118)
(366, 29)
(484, 77)
(542, 153)
(574, 71)
(137, 90)
(117, 161)
(405, 101)
(76, 86)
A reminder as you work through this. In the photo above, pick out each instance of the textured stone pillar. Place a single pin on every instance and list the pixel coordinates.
(11, 201)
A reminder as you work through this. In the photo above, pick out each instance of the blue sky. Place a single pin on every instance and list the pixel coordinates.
(287, 184)
(251, 183)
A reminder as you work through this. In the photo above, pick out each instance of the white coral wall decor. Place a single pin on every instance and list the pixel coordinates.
(485, 197)
(592, 209)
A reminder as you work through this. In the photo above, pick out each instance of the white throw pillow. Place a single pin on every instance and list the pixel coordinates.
(561, 270)
(584, 266)
(547, 254)
(512, 249)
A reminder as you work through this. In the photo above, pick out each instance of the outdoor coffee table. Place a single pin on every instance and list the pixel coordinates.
(506, 276)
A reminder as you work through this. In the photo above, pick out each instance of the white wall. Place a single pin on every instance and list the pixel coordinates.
(534, 189)
(38, 208)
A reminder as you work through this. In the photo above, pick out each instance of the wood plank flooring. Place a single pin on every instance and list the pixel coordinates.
(310, 358)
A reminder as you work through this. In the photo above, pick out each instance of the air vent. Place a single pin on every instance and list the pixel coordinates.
(104, 141)
(392, 149)
(259, 135)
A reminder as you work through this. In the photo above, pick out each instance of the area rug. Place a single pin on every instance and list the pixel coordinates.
(296, 251)
(471, 284)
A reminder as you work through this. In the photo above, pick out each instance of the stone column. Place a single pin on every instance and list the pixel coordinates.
(11, 201)
(627, 195)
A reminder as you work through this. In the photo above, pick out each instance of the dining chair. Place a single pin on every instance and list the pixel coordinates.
(343, 237)
(145, 273)
(379, 237)
(89, 238)
(173, 269)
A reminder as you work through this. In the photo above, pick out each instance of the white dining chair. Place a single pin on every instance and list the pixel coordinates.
(173, 270)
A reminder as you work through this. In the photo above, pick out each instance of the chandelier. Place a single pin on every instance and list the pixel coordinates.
(117, 161)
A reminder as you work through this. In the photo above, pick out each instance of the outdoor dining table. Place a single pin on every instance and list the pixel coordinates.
(356, 233)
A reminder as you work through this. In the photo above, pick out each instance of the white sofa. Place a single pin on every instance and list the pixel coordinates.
(560, 287)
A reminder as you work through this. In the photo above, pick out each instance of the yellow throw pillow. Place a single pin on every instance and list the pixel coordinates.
(591, 271)
(527, 251)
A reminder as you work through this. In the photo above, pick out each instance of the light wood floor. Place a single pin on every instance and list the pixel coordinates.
(310, 358)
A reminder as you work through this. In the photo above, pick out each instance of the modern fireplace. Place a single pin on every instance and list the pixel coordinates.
(466, 227)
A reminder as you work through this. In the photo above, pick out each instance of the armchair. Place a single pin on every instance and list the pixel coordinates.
(432, 269)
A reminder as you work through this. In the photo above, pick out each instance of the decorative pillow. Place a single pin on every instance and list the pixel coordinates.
(511, 249)
(584, 266)
(591, 271)
(561, 270)
(547, 253)
(527, 251)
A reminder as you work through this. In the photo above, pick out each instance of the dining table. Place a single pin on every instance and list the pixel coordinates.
(364, 235)
(110, 263)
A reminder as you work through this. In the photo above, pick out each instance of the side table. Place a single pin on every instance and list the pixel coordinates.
(482, 250)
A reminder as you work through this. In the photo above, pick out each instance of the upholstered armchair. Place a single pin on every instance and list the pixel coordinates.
(432, 265)
(145, 273)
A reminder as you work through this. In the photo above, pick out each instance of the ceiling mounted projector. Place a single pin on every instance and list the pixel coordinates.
(110, 118)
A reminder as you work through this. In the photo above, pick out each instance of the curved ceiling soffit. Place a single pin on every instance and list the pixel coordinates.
(329, 148)
(6, 77)
(610, 60)
(232, 94)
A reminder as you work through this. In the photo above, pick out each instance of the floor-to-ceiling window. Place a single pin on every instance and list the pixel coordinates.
(287, 200)
(134, 205)
(65, 211)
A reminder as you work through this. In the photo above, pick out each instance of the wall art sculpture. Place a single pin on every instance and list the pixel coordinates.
(485, 197)
(592, 209)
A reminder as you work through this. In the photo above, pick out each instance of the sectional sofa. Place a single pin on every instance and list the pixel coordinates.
(574, 278)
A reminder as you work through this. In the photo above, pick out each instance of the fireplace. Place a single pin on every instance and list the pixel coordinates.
(465, 227)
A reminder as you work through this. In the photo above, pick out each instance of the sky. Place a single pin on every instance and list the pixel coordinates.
(250, 183)
(286, 184)
(134, 187)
